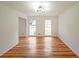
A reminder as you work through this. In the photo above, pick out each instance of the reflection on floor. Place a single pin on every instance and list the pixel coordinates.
(40, 47)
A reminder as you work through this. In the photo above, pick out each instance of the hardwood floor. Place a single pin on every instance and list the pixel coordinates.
(41, 47)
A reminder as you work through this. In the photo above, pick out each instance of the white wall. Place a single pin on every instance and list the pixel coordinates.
(40, 24)
(69, 27)
(8, 28)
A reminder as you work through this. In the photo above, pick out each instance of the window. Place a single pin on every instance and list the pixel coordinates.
(32, 27)
(47, 27)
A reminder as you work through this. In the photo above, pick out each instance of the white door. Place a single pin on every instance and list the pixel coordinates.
(22, 26)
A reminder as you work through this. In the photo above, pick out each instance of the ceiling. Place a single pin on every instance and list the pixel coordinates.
(54, 7)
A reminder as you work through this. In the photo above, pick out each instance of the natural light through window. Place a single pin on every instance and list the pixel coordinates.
(47, 27)
(32, 27)
(32, 44)
(48, 45)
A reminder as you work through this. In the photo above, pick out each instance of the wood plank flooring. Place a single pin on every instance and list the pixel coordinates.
(40, 47)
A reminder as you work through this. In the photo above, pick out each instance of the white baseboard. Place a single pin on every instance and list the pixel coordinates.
(7, 49)
(41, 36)
(68, 45)
(22, 36)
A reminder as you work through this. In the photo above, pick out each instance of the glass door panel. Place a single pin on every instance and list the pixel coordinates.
(32, 27)
(47, 27)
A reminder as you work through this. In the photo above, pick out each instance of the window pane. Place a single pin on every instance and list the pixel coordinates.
(47, 27)
(32, 27)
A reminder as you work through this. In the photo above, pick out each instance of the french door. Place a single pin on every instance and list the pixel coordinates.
(47, 31)
(32, 28)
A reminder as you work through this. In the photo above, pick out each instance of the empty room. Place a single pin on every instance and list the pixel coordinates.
(39, 29)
